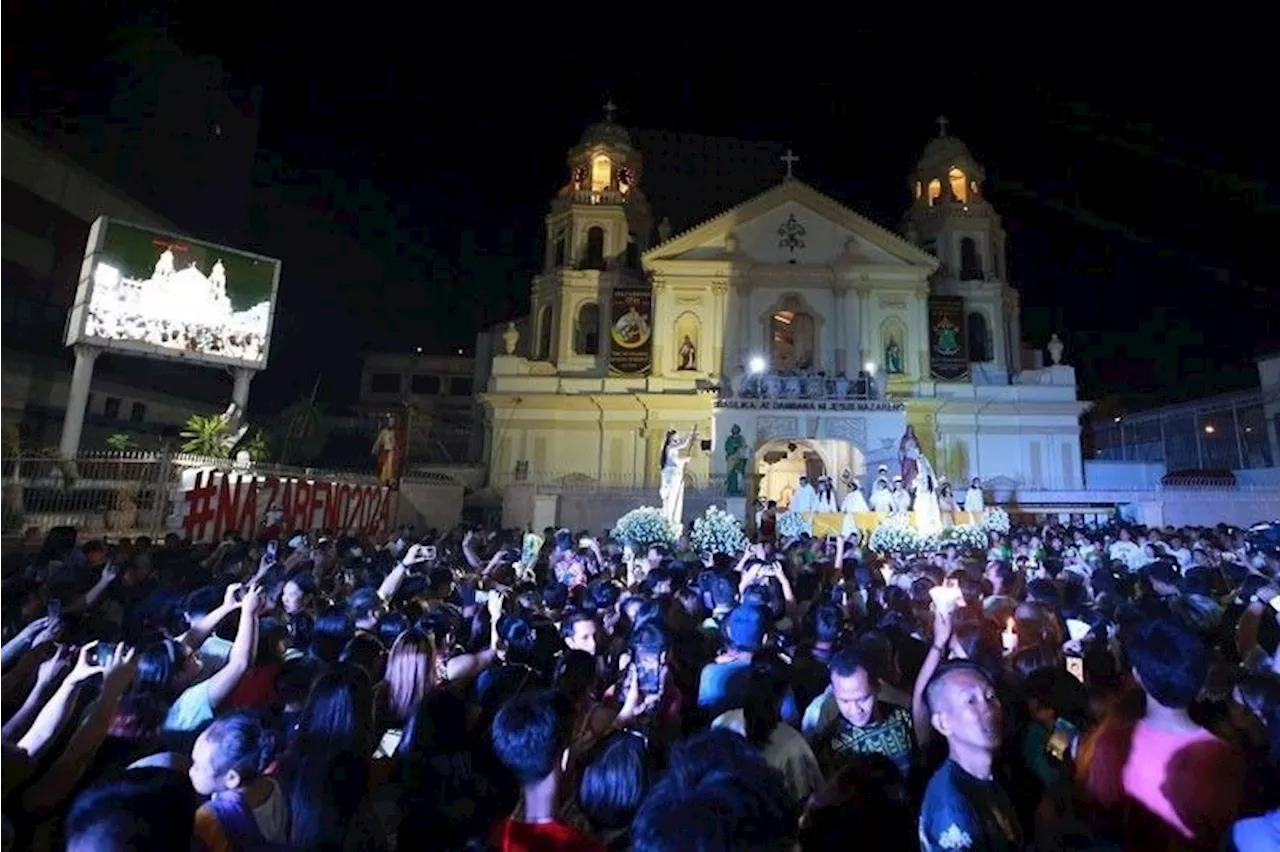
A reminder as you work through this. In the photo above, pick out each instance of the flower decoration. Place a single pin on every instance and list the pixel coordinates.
(645, 526)
(791, 525)
(717, 531)
(995, 519)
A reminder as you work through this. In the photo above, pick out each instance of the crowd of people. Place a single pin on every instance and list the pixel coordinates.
(1069, 688)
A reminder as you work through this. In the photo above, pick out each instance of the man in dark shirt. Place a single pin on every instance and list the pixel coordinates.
(964, 807)
(866, 725)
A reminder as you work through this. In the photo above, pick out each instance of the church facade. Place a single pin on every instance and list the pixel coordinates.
(795, 334)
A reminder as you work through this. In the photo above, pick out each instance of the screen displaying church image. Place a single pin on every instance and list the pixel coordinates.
(165, 295)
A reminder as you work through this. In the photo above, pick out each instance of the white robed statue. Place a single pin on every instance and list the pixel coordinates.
(928, 512)
(674, 459)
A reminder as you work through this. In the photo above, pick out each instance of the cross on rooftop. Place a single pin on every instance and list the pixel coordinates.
(609, 109)
(942, 125)
(790, 159)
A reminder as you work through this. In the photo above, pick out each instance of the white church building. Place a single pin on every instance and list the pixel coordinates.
(816, 332)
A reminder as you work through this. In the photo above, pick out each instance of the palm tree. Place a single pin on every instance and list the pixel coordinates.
(302, 429)
(258, 446)
(206, 435)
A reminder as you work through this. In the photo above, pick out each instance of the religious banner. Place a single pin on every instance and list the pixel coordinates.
(948, 341)
(211, 502)
(631, 332)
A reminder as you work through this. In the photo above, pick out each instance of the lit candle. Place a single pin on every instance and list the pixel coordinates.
(1010, 636)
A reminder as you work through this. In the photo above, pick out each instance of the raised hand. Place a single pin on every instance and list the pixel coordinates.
(231, 596)
(56, 666)
(86, 666)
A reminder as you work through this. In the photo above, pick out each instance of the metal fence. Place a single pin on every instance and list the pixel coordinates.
(1231, 432)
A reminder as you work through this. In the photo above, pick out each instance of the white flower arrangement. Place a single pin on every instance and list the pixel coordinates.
(791, 525)
(717, 531)
(965, 536)
(895, 534)
(645, 526)
(995, 519)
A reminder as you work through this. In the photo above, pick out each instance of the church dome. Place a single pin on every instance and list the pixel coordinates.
(942, 150)
(606, 133)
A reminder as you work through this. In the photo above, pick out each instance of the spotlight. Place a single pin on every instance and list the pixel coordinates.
(756, 364)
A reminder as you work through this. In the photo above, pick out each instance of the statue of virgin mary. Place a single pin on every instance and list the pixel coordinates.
(674, 459)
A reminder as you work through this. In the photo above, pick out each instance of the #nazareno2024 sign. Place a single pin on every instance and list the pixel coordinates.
(212, 502)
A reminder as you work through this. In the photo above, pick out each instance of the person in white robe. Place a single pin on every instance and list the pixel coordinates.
(805, 498)
(973, 497)
(946, 503)
(881, 497)
(803, 503)
(928, 513)
(825, 498)
(901, 497)
(853, 504)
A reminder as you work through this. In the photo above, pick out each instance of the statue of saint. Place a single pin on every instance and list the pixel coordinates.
(893, 357)
(735, 463)
(674, 459)
(688, 355)
(388, 452)
(909, 456)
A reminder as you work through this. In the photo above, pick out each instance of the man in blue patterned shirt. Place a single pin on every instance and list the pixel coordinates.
(865, 725)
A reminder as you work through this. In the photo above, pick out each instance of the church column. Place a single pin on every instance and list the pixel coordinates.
(866, 336)
(841, 330)
(1015, 335)
(922, 332)
(742, 289)
(662, 328)
(716, 366)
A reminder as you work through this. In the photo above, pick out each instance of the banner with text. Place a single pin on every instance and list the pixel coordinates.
(212, 502)
(631, 332)
(948, 339)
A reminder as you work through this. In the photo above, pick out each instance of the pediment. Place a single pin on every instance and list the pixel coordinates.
(792, 224)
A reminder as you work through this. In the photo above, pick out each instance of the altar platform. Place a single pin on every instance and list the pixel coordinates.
(832, 523)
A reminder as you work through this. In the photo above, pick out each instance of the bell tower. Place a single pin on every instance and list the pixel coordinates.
(951, 218)
(597, 228)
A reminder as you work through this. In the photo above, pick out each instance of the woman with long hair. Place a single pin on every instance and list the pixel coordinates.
(410, 675)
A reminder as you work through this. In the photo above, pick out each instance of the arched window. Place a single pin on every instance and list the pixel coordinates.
(601, 173)
(544, 333)
(935, 191)
(979, 337)
(959, 184)
(557, 258)
(919, 190)
(791, 337)
(594, 256)
(970, 260)
(586, 330)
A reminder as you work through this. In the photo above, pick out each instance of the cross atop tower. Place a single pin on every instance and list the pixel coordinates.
(942, 125)
(610, 108)
(790, 159)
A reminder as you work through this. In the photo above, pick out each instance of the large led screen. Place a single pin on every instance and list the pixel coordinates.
(158, 294)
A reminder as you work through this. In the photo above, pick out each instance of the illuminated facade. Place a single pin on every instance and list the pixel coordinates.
(790, 316)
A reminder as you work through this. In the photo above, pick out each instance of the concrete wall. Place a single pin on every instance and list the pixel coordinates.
(429, 505)
(1119, 474)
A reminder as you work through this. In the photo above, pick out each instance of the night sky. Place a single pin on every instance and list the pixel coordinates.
(1136, 190)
